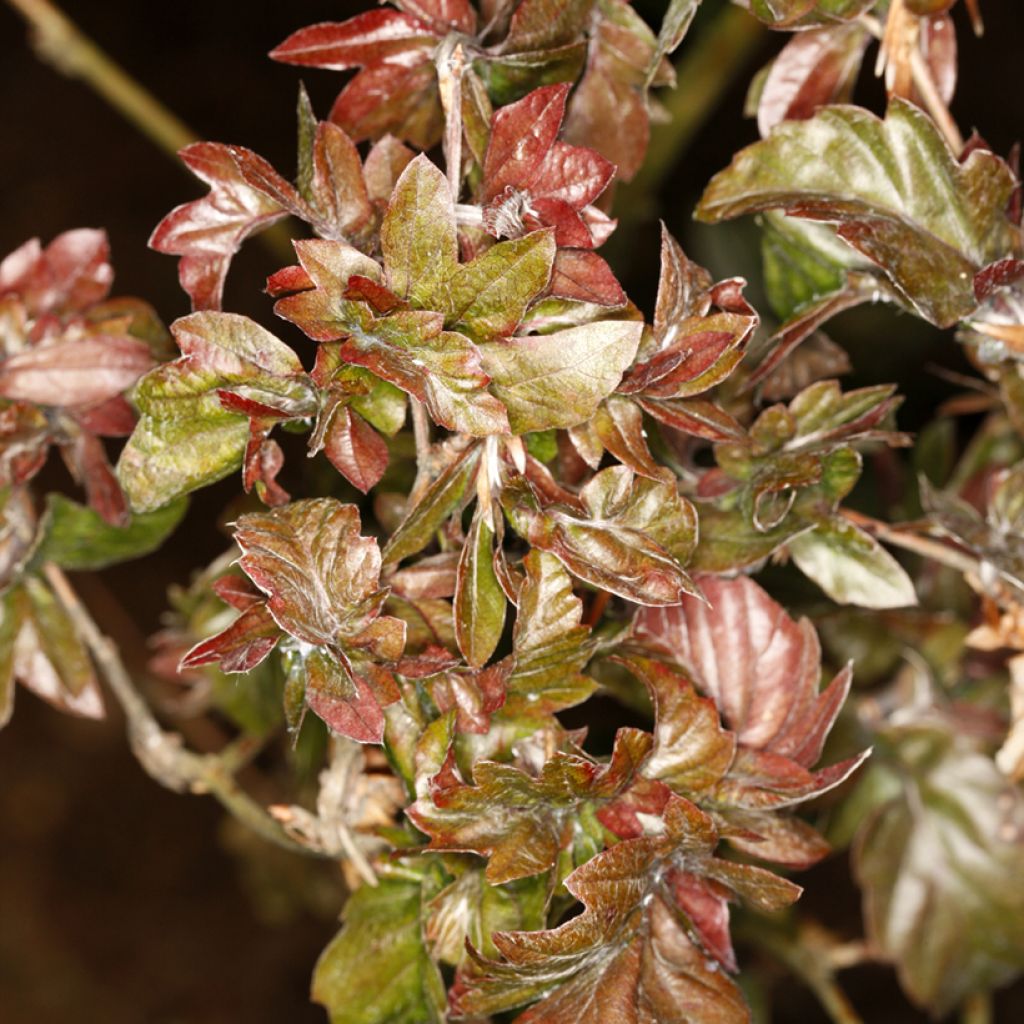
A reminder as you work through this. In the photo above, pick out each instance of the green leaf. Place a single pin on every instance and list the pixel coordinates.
(730, 541)
(541, 24)
(439, 501)
(896, 191)
(558, 380)
(479, 599)
(470, 909)
(10, 626)
(942, 869)
(409, 348)
(803, 262)
(418, 237)
(851, 566)
(804, 13)
(489, 296)
(674, 26)
(48, 656)
(185, 438)
(166, 458)
(377, 969)
(76, 537)
(510, 76)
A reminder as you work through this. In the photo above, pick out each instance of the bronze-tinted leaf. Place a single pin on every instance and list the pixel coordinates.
(759, 666)
(881, 182)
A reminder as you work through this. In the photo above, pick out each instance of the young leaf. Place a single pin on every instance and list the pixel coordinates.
(189, 433)
(80, 372)
(851, 566)
(621, 63)
(633, 538)
(532, 180)
(628, 951)
(246, 195)
(898, 194)
(558, 380)
(377, 969)
(761, 668)
(396, 90)
(418, 237)
(692, 752)
(47, 656)
(550, 645)
(439, 501)
(814, 69)
(803, 13)
(320, 576)
(479, 600)
(518, 822)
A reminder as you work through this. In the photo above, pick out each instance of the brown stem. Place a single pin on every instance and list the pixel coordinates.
(59, 42)
(810, 961)
(162, 754)
(451, 62)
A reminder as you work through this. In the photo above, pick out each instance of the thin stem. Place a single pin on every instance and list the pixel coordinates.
(162, 754)
(977, 1009)
(451, 62)
(424, 449)
(59, 42)
(811, 965)
(925, 85)
(921, 545)
(717, 56)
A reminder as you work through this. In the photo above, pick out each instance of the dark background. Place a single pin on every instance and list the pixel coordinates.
(119, 901)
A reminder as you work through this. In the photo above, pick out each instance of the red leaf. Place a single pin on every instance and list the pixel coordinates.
(87, 460)
(398, 98)
(81, 372)
(704, 903)
(522, 133)
(574, 174)
(357, 715)
(380, 35)
(570, 229)
(24, 442)
(355, 449)
(338, 191)
(112, 418)
(72, 272)
(383, 167)
(240, 647)
(814, 68)
(760, 667)
(583, 275)
(442, 14)
(207, 232)
(236, 591)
